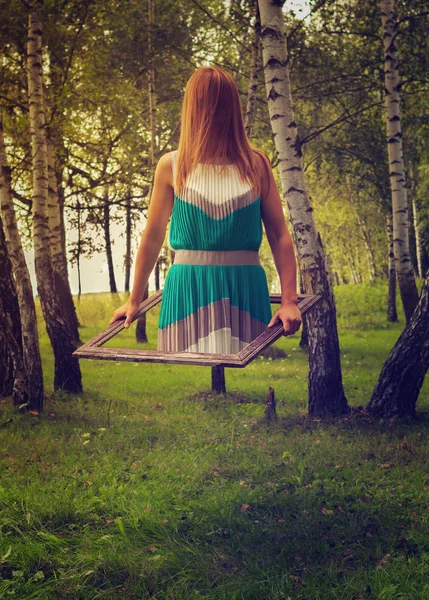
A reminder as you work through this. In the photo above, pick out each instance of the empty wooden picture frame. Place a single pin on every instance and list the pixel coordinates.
(94, 347)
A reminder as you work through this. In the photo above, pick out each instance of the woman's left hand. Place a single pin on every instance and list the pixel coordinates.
(290, 316)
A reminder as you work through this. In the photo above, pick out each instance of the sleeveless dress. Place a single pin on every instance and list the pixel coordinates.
(215, 298)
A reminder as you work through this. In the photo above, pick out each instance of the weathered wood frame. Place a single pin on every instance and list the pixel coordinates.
(92, 348)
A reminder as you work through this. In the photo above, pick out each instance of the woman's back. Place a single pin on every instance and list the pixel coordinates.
(215, 296)
(215, 210)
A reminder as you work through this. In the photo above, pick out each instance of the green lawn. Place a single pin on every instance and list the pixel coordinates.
(178, 494)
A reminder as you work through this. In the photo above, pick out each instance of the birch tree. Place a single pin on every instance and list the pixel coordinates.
(254, 70)
(67, 371)
(392, 315)
(57, 246)
(403, 265)
(326, 394)
(10, 326)
(141, 334)
(23, 285)
(403, 374)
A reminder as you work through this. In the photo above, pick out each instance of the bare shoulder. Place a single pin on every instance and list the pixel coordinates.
(164, 168)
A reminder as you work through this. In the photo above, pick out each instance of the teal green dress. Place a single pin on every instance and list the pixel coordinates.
(215, 297)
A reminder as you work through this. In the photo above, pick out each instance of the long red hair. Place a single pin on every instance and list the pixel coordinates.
(212, 126)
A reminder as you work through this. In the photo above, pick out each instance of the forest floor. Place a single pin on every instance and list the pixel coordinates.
(148, 486)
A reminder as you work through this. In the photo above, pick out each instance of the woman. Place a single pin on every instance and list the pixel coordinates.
(216, 187)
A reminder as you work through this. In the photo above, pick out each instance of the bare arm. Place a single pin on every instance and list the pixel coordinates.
(281, 245)
(152, 238)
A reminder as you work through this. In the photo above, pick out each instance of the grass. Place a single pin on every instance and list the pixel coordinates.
(180, 494)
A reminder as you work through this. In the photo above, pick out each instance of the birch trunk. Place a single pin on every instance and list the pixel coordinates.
(10, 325)
(401, 248)
(392, 315)
(326, 394)
(141, 335)
(30, 337)
(372, 269)
(417, 233)
(58, 256)
(79, 249)
(108, 243)
(254, 69)
(6, 369)
(128, 233)
(67, 371)
(403, 374)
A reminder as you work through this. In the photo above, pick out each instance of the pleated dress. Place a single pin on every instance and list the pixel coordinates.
(215, 298)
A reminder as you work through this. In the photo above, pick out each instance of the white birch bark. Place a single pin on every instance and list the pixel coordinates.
(56, 244)
(401, 248)
(24, 290)
(253, 78)
(10, 327)
(141, 334)
(326, 395)
(392, 315)
(417, 233)
(67, 371)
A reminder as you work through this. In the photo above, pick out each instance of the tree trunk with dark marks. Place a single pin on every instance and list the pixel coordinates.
(392, 315)
(57, 245)
(303, 343)
(128, 233)
(270, 406)
(401, 247)
(6, 370)
(402, 376)
(141, 335)
(417, 233)
(326, 394)
(157, 273)
(108, 243)
(372, 268)
(24, 289)
(10, 328)
(67, 371)
(254, 69)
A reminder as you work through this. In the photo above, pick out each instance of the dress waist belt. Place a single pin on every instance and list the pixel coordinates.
(216, 257)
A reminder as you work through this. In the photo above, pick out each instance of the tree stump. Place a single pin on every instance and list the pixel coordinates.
(270, 406)
(218, 380)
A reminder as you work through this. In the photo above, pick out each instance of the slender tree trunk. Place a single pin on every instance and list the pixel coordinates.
(67, 371)
(419, 245)
(128, 233)
(157, 272)
(141, 335)
(10, 325)
(254, 69)
(326, 394)
(59, 260)
(392, 315)
(6, 369)
(401, 247)
(218, 380)
(108, 242)
(303, 343)
(79, 250)
(402, 376)
(372, 269)
(31, 351)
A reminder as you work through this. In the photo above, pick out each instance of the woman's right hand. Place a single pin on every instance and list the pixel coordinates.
(127, 310)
